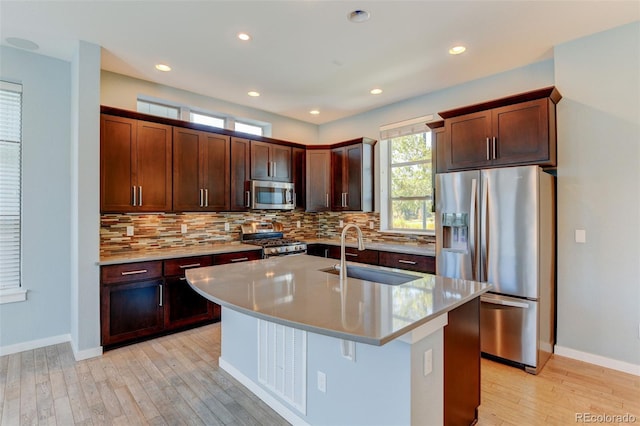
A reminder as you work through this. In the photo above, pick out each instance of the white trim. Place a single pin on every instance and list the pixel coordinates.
(10, 295)
(425, 329)
(424, 119)
(265, 396)
(614, 364)
(34, 344)
(86, 353)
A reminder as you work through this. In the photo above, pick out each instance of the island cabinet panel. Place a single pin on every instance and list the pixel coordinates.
(352, 254)
(270, 162)
(240, 256)
(318, 180)
(462, 365)
(184, 306)
(200, 171)
(240, 159)
(410, 262)
(135, 165)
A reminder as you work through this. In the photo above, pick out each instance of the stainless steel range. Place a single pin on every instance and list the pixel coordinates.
(269, 235)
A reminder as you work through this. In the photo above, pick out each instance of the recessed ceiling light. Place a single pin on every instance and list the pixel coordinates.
(22, 43)
(314, 112)
(456, 50)
(253, 94)
(163, 67)
(244, 36)
(376, 91)
(358, 16)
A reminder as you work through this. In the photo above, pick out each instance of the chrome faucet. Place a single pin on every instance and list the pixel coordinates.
(343, 262)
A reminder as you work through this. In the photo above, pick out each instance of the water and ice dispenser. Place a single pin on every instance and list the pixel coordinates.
(455, 231)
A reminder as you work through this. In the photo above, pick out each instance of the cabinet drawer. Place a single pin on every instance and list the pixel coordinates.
(410, 262)
(129, 272)
(352, 254)
(176, 267)
(240, 256)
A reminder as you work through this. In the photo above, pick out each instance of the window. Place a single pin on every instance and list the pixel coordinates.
(160, 110)
(10, 190)
(209, 120)
(248, 128)
(407, 199)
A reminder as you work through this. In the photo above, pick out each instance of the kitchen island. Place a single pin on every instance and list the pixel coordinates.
(320, 351)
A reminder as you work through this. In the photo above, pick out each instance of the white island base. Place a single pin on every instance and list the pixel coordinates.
(364, 384)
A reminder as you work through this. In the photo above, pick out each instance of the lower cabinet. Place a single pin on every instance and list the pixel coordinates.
(352, 254)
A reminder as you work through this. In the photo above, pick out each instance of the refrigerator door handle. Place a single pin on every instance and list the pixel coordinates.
(472, 228)
(504, 302)
(484, 231)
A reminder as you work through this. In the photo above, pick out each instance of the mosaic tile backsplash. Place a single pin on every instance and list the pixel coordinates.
(163, 230)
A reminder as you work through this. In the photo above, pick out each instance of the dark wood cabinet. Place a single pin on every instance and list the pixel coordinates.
(240, 256)
(462, 364)
(200, 171)
(318, 180)
(517, 130)
(352, 254)
(352, 177)
(135, 165)
(240, 159)
(320, 250)
(183, 305)
(270, 162)
(298, 175)
(132, 303)
(410, 262)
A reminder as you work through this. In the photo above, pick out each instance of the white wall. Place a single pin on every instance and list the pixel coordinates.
(46, 199)
(598, 190)
(120, 91)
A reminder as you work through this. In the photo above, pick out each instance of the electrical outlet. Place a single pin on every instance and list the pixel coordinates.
(428, 362)
(226, 226)
(298, 224)
(183, 228)
(322, 382)
(581, 236)
(371, 225)
(341, 223)
(129, 231)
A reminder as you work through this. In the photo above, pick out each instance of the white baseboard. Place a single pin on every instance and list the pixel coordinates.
(34, 344)
(86, 353)
(272, 402)
(602, 361)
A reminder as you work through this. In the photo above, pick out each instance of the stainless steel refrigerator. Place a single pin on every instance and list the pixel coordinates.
(498, 226)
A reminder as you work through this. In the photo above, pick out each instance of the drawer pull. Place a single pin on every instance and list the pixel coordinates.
(408, 262)
(161, 295)
(351, 254)
(191, 265)
(183, 278)
(240, 259)
(139, 271)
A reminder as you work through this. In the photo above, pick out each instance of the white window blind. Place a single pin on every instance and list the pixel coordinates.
(10, 183)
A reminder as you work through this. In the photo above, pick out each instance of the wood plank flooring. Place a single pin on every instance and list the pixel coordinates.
(175, 380)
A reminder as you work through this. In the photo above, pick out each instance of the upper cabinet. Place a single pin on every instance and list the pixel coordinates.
(318, 180)
(270, 162)
(352, 176)
(240, 158)
(200, 170)
(135, 165)
(298, 174)
(517, 130)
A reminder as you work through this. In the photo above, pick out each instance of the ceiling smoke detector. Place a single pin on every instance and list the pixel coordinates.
(358, 16)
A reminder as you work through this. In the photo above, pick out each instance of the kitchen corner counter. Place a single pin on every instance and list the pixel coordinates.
(295, 292)
(173, 253)
(424, 250)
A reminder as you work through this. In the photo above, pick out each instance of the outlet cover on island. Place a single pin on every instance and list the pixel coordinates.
(322, 381)
(581, 236)
(226, 226)
(129, 231)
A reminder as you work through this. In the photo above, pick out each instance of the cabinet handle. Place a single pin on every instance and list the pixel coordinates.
(248, 195)
(206, 197)
(275, 169)
(240, 259)
(269, 168)
(351, 254)
(494, 147)
(295, 198)
(161, 295)
(133, 191)
(201, 196)
(326, 253)
(408, 262)
(488, 149)
(139, 271)
(191, 265)
(140, 196)
(183, 278)
(326, 202)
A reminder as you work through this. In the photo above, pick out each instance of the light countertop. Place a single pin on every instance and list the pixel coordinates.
(293, 291)
(424, 250)
(173, 253)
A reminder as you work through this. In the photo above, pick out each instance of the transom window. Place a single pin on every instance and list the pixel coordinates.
(209, 120)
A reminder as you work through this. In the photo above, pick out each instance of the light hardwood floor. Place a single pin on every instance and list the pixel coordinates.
(176, 380)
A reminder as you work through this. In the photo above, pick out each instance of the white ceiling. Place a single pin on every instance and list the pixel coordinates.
(305, 55)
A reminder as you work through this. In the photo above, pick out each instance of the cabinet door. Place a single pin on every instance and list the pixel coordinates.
(214, 157)
(298, 175)
(186, 170)
(410, 262)
(239, 256)
(352, 254)
(131, 311)
(522, 133)
(260, 161)
(184, 306)
(468, 141)
(318, 180)
(320, 250)
(153, 167)
(338, 178)
(239, 174)
(281, 163)
(117, 159)
(353, 171)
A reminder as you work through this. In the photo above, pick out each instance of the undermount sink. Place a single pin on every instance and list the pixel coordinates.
(373, 275)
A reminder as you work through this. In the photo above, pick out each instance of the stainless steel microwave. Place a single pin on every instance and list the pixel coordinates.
(267, 195)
